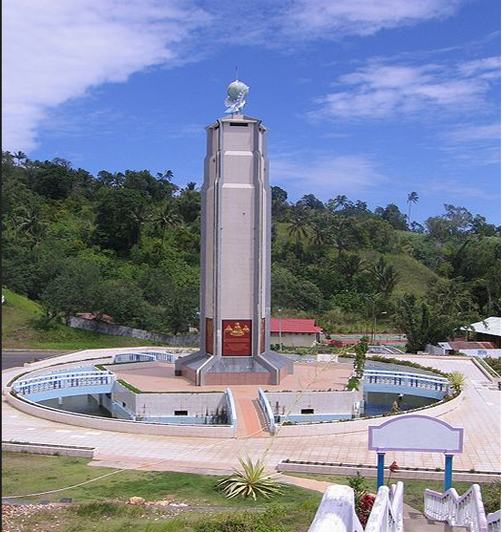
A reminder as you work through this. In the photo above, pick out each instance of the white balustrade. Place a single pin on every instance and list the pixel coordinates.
(387, 511)
(493, 521)
(63, 380)
(337, 511)
(462, 511)
(139, 357)
(407, 379)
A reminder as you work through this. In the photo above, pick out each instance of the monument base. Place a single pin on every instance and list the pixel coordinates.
(205, 369)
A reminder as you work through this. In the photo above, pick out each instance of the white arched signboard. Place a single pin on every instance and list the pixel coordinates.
(416, 433)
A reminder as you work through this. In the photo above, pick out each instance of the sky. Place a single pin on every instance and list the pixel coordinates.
(371, 99)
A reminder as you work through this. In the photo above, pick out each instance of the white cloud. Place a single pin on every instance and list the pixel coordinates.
(325, 175)
(57, 50)
(471, 133)
(379, 90)
(451, 188)
(288, 24)
(473, 143)
(333, 19)
(488, 67)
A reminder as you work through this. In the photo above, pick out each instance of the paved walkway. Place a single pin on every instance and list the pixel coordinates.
(478, 413)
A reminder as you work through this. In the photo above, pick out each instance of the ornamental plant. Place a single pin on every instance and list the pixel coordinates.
(457, 380)
(251, 481)
(363, 500)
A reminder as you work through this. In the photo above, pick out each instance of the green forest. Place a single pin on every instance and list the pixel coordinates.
(126, 244)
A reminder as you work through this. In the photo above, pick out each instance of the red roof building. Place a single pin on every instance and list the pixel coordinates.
(294, 325)
(294, 332)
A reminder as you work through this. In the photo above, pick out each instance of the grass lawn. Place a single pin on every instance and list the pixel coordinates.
(100, 506)
(414, 489)
(19, 330)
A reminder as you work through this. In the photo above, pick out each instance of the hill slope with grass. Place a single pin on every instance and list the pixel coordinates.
(22, 328)
(414, 276)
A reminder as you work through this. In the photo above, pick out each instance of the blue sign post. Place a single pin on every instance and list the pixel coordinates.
(416, 433)
(448, 471)
(381, 469)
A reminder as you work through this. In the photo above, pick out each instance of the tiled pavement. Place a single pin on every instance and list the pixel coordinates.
(478, 413)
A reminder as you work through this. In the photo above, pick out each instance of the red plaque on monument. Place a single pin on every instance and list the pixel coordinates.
(237, 337)
(209, 336)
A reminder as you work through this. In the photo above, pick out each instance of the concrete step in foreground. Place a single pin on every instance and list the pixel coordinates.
(414, 520)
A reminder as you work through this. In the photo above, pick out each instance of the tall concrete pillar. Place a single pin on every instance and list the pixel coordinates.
(235, 260)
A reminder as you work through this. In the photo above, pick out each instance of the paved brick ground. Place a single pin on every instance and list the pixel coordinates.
(478, 413)
(159, 377)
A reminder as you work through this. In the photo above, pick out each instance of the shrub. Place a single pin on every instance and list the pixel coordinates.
(457, 380)
(362, 499)
(491, 496)
(251, 481)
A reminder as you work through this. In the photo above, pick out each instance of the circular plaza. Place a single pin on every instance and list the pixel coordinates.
(247, 430)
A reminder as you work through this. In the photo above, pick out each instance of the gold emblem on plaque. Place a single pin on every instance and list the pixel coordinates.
(237, 330)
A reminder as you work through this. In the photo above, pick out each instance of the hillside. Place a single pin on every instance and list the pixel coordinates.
(414, 276)
(20, 329)
(127, 244)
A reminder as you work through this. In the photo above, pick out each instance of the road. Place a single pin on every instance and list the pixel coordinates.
(12, 358)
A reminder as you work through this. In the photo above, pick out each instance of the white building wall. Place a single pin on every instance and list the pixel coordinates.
(292, 340)
(482, 353)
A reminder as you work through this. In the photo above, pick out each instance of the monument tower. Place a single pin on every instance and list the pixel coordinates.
(235, 256)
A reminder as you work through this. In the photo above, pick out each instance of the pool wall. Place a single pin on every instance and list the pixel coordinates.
(324, 406)
(200, 407)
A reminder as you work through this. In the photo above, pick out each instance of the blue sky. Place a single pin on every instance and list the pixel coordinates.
(368, 98)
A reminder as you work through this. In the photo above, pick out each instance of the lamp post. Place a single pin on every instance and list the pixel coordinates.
(280, 329)
(375, 323)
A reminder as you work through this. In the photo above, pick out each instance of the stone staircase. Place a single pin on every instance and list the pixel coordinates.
(414, 520)
(249, 414)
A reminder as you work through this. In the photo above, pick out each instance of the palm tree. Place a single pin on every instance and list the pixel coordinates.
(384, 276)
(165, 218)
(412, 199)
(298, 227)
(251, 481)
(140, 214)
(28, 220)
(350, 265)
(334, 203)
(20, 156)
(320, 230)
(167, 175)
(343, 232)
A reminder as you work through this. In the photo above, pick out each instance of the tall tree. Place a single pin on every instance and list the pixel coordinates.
(279, 203)
(350, 265)
(384, 276)
(412, 199)
(119, 215)
(446, 308)
(338, 202)
(298, 226)
(392, 214)
(166, 217)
